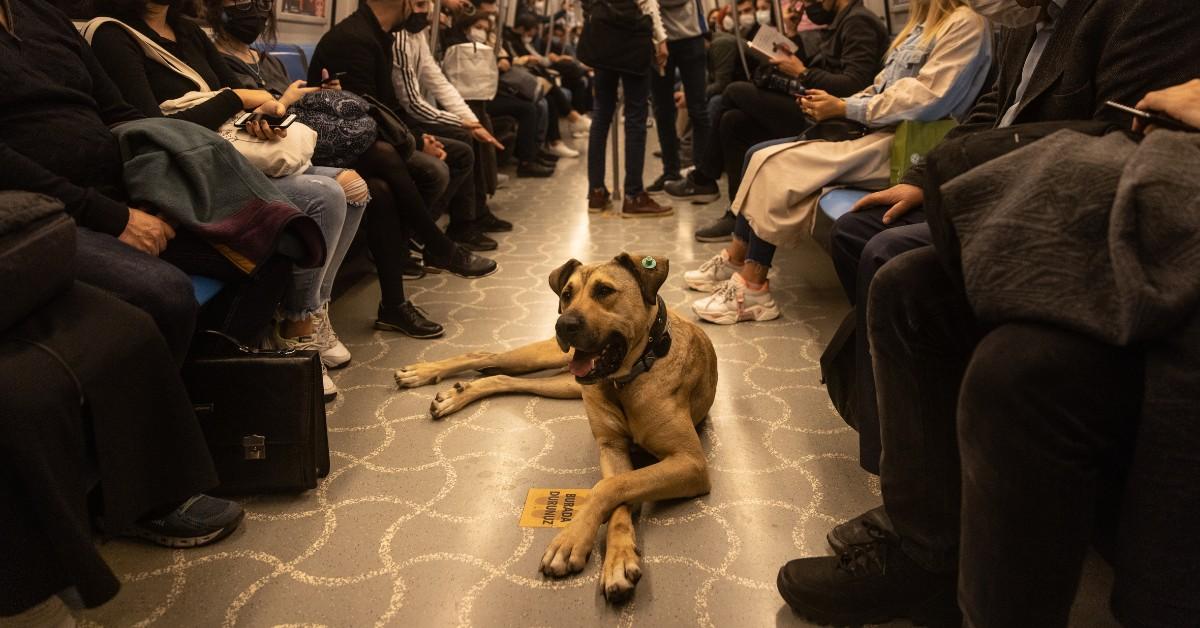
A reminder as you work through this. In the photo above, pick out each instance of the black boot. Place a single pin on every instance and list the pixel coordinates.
(869, 527)
(870, 584)
(459, 261)
(407, 319)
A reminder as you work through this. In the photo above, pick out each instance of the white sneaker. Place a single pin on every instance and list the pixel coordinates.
(711, 273)
(501, 180)
(732, 302)
(334, 354)
(562, 150)
(306, 343)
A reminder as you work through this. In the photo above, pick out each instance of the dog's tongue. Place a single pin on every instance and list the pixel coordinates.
(582, 362)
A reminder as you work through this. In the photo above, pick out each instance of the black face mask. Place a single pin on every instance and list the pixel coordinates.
(415, 23)
(818, 14)
(245, 27)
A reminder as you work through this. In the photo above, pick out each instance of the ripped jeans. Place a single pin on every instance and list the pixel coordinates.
(318, 195)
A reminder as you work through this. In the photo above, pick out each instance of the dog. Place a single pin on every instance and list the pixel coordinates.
(647, 377)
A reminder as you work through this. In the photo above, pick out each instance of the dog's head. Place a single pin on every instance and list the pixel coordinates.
(605, 310)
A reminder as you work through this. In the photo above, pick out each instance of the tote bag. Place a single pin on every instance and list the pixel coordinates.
(274, 158)
(471, 69)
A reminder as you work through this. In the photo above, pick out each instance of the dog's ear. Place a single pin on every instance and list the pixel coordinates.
(649, 270)
(559, 276)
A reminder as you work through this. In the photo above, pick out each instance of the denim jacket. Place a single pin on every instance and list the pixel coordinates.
(932, 81)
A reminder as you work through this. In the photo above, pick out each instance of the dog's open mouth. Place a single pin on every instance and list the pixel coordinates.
(590, 366)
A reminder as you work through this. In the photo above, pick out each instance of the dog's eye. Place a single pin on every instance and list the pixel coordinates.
(600, 291)
(566, 295)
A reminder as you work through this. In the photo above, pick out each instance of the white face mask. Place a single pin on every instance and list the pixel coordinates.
(763, 17)
(746, 20)
(478, 35)
(540, 7)
(1006, 13)
(727, 24)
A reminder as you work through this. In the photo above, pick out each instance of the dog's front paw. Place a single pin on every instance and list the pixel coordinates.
(622, 570)
(450, 400)
(568, 552)
(417, 375)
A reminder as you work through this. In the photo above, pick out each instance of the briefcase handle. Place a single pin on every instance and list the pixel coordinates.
(247, 350)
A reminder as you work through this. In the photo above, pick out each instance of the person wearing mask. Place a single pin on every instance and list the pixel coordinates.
(685, 55)
(360, 48)
(319, 192)
(917, 317)
(235, 27)
(415, 72)
(850, 55)
(622, 51)
(476, 30)
(777, 200)
(521, 42)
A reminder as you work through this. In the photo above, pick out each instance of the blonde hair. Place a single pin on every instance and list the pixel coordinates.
(932, 14)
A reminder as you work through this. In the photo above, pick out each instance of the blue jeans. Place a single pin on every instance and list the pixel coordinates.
(637, 93)
(689, 56)
(317, 195)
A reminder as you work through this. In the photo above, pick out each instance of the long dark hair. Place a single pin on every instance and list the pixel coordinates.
(213, 9)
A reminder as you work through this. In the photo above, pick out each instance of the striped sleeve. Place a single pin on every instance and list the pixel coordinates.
(408, 86)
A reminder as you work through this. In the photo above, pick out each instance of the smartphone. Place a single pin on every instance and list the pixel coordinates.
(275, 122)
(336, 76)
(1150, 117)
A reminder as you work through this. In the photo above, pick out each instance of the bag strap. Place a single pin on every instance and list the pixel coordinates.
(154, 51)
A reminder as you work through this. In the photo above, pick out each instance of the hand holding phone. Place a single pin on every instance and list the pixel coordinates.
(327, 79)
(1143, 119)
(273, 122)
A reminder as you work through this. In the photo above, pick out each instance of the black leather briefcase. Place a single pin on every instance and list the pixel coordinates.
(263, 415)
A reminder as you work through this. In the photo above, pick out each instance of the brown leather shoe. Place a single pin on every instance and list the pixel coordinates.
(599, 200)
(642, 206)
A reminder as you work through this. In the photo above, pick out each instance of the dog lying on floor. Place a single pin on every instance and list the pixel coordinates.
(646, 376)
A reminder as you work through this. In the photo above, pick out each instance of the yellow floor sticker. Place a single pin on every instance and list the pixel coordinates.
(552, 507)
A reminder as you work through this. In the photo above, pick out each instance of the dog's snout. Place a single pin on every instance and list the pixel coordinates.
(568, 326)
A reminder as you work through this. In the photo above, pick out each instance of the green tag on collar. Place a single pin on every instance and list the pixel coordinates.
(648, 262)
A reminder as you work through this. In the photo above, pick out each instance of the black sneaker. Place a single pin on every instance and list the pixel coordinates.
(688, 187)
(471, 238)
(461, 262)
(869, 527)
(870, 584)
(491, 224)
(719, 230)
(199, 521)
(545, 155)
(657, 186)
(413, 267)
(534, 169)
(407, 319)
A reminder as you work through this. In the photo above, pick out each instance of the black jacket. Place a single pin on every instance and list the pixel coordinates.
(1100, 50)
(55, 111)
(850, 52)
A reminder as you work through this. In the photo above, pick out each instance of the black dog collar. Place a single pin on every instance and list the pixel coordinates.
(657, 347)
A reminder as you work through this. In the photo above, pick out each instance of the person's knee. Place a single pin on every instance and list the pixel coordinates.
(173, 297)
(354, 187)
(901, 296)
(736, 94)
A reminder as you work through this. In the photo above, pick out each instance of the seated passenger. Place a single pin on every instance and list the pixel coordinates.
(415, 73)
(475, 29)
(359, 50)
(147, 83)
(850, 53)
(935, 69)
(235, 27)
(923, 332)
(1068, 406)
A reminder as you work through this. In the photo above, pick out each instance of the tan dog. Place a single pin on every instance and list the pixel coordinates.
(646, 375)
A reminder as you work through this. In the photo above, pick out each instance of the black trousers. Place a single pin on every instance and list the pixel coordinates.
(921, 334)
(747, 116)
(466, 198)
(861, 244)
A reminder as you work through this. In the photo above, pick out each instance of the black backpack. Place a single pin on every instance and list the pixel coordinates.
(616, 36)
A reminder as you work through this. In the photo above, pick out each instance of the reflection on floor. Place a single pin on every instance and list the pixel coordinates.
(417, 523)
